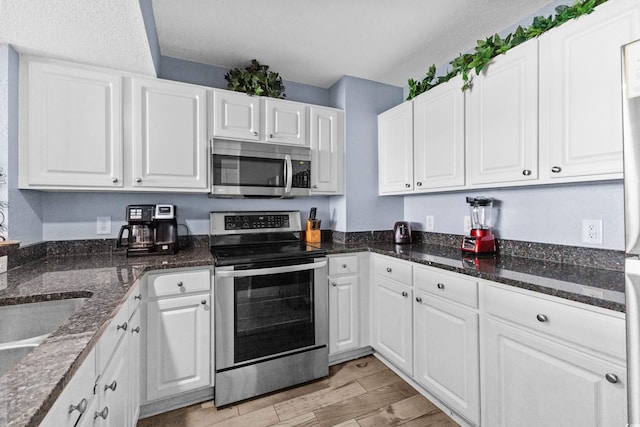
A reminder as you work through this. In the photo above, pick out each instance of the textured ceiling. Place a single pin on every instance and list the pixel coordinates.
(307, 41)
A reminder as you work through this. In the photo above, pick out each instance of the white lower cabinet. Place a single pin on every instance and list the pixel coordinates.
(178, 340)
(344, 304)
(446, 339)
(392, 313)
(545, 373)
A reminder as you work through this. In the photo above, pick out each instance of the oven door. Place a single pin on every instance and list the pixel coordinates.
(271, 311)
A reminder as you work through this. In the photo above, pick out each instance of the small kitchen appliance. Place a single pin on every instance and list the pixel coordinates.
(480, 240)
(402, 232)
(150, 229)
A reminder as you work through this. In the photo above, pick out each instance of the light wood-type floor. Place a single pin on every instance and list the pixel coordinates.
(359, 393)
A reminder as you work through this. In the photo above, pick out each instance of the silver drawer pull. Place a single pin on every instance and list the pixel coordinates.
(408, 185)
(123, 327)
(526, 172)
(139, 296)
(556, 169)
(418, 299)
(111, 386)
(203, 302)
(255, 133)
(419, 183)
(180, 284)
(136, 330)
(344, 265)
(440, 286)
(389, 270)
(102, 414)
(404, 294)
(80, 407)
(542, 318)
(612, 378)
(334, 284)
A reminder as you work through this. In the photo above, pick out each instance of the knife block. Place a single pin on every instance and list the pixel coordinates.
(312, 233)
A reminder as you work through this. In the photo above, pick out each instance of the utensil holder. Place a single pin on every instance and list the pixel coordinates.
(312, 234)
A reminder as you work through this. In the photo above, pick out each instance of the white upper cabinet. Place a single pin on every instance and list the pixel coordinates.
(580, 92)
(502, 119)
(395, 149)
(285, 122)
(169, 135)
(71, 132)
(326, 136)
(438, 138)
(235, 115)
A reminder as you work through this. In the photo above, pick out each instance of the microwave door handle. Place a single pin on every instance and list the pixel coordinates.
(271, 270)
(288, 171)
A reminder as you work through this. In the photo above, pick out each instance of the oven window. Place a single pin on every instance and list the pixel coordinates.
(248, 171)
(273, 314)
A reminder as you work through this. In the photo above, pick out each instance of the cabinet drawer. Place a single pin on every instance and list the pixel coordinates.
(343, 265)
(451, 286)
(178, 283)
(393, 269)
(598, 331)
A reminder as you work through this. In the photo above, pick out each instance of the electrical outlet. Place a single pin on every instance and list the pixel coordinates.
(467, 224)
(592, 231)
(4, 261)
(103, 225)
(429, 223)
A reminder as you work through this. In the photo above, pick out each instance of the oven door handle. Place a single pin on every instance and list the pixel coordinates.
(271, 270)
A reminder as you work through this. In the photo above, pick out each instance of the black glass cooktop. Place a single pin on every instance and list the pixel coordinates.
(246, 254)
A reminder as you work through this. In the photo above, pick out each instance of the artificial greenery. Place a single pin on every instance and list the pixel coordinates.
(256, 79)
(495, 45)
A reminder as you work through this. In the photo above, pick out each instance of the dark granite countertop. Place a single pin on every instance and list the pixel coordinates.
(29, 389)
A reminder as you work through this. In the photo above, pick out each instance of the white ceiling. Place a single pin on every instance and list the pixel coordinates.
(307, 41)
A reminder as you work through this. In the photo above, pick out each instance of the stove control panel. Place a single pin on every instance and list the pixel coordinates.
(255, 222)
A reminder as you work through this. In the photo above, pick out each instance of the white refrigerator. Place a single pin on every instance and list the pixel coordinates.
(631, 123)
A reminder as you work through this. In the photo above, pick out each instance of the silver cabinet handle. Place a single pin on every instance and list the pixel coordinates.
(440, 286)
(315, 185)
(418, 299)
(180, 284)
(556, 169)
(136, 330)
(203, 302)
(123, 327)
(270, 135)
(255, 133)
(526, 172)
(389, 270)
(334, 284)
(419, 184)
(612, 378)
(111, 386)
(102, 414)
(542, 318)
(138, 180)
(407, 185)
(344, 265)
(139, 296)
(80, 407)
(404, 294)
(114, 180)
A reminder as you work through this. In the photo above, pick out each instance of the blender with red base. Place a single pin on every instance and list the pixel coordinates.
(480, 240)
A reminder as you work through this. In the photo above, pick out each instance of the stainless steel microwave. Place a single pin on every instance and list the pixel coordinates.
(253, 169)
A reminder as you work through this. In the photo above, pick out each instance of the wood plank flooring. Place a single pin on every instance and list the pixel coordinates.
(359, 393)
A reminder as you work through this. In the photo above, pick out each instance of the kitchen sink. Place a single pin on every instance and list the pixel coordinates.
(24, 326)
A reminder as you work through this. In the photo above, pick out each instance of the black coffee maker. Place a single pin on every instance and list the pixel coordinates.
(151, 229)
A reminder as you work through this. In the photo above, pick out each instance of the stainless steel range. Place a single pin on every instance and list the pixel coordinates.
(271, 304)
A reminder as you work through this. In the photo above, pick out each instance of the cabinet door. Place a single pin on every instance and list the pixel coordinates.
(133, 403)
(285, 122)
(113, 388)
(395, 149)
(502, 119)
(327, 150)
(447, 354)
(438, 145)
(580, 91)
(344, 314)
(531, 381)
(178, 344)
(236, 115)
(392, 323)
(72, 132)
(169, 135)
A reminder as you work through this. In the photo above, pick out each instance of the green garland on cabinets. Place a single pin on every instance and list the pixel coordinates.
(495, 45)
